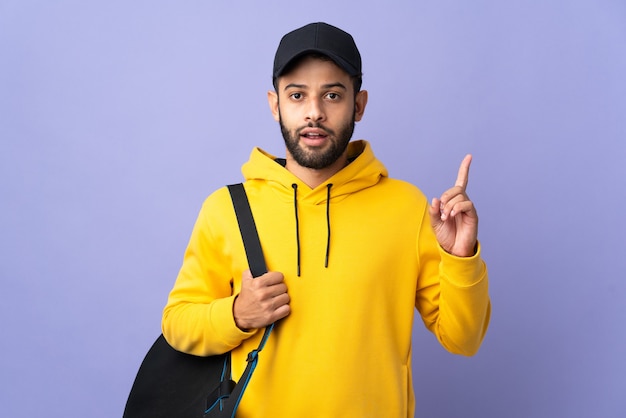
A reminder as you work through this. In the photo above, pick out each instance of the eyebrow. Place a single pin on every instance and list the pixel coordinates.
(325, 86)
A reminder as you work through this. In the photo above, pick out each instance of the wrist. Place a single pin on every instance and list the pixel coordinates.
(238, 321)
(470, 253)
(462, 253)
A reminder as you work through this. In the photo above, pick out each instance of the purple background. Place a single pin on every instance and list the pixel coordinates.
(118, 118)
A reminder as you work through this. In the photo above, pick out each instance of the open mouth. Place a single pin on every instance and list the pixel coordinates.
(313, 136)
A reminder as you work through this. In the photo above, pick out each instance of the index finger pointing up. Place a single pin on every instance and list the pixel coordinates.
(462, 177)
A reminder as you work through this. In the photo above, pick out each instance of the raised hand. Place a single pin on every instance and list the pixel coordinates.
(262, 300)
(454, 217)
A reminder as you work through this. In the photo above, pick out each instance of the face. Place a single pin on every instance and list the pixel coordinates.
(316, 107)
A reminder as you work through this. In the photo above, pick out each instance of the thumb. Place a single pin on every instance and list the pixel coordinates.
(246, 276)
(434, 212)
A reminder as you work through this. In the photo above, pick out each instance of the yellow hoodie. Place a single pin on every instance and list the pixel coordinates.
(366, 257)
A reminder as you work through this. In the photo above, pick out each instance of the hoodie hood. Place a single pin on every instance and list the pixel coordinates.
(363, 171)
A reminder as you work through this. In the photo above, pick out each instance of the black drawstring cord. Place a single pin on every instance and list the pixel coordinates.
(295, 204)
(327, 223)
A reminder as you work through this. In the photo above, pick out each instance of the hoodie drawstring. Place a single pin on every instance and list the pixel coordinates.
(295, 206)
(327, 224)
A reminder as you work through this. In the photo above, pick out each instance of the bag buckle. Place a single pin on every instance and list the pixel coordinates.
(253, 356)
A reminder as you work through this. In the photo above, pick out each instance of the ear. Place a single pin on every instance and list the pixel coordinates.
(359, 105)
(272, 100)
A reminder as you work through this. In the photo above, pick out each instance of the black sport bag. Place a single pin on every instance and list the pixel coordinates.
(172, 384)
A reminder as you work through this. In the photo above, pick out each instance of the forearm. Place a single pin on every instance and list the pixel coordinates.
(202, 328)
(464, 305)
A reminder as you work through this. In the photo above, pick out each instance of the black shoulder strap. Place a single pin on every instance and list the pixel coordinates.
(218, 405)
(251, 242)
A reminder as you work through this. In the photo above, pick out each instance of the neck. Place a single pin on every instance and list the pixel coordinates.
(314, 177)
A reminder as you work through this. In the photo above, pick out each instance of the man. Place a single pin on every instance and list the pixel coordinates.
(351, 253)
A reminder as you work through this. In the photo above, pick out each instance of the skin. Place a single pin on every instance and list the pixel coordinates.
(314, 103)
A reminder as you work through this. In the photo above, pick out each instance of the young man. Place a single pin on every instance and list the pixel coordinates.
(351, 253)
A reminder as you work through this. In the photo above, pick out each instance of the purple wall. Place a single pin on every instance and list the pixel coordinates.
(117, 118)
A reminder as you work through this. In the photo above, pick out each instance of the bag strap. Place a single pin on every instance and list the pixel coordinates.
(252, 245)
(256, 262)
(251, 241)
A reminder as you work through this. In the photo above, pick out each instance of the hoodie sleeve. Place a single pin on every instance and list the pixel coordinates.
(198, 317)
(452, 294)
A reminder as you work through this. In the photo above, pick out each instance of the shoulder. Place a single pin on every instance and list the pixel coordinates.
(217, 197)
(401, 190)
(217, 204)
(392, 197)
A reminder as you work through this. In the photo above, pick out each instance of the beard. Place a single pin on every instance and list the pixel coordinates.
(318, 158)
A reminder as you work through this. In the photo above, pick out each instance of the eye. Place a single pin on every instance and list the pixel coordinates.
(332, 96)
(296, 96)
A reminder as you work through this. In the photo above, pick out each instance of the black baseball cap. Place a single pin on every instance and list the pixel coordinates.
(322, 38)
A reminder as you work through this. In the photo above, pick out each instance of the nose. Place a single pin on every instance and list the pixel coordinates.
(315, 110)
